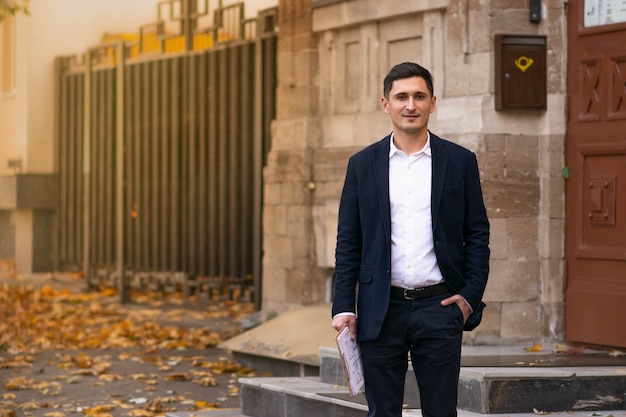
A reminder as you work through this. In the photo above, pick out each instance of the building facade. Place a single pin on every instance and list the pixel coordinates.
(332, 56)
(535, 88)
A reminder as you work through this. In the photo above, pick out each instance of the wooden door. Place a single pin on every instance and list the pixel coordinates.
(596, 190)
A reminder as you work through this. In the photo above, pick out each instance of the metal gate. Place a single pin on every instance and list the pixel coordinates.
(161, 143)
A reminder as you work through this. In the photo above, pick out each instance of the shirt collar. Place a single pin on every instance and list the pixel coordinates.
(393, 149)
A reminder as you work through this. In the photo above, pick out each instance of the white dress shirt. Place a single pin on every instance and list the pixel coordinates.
(413, 260)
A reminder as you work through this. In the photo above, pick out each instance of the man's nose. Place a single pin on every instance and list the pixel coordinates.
(410, 104)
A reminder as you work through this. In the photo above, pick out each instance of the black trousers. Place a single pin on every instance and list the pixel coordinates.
(432, 334)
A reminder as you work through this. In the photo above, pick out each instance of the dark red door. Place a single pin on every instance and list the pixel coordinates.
(595, 299)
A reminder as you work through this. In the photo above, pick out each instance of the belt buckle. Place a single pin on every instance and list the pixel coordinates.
(406, 293)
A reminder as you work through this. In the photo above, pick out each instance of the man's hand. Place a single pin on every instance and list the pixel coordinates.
(346, 320)
(460, 301)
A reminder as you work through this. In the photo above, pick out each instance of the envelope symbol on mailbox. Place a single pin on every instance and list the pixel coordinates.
(523, 63)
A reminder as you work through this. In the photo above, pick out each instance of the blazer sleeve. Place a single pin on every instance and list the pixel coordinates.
(476, 245)
(348, 249)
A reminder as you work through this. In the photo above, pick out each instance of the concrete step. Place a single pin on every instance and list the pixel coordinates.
(520, 389)
(297, 396)
(494, 379)
(206, 413)
(309, 397)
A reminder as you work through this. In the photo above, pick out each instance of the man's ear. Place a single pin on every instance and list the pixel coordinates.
(385, 104)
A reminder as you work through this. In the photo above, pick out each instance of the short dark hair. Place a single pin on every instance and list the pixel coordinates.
(407, 70)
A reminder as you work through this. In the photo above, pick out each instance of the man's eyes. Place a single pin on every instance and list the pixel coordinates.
(417, 97)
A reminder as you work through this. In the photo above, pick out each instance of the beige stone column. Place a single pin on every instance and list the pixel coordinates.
(291, 276)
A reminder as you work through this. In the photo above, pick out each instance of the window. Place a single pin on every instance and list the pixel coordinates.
(7, 55)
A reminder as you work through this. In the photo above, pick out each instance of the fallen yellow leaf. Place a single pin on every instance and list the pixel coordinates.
(536, 347)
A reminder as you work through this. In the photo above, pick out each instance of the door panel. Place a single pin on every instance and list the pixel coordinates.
(596, 190)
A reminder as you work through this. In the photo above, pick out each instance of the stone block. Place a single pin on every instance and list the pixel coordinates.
(490, 324)
(457, 115)
(296, 193)
(510, 21)
(552, 239)
(331, 371)
(258, 401)
(288, 166)
(354, 131)
(553, 197)
(553, 321)
(305, 67)
(521, 156)
(274, 291)
(523, 238)
(519, 123)
(289, 134)
(298, 287)
(521, 320)
(555, 84)
(325, 229)
(513, 281)
(294, 101)
(479, 73)
(480, 41)
(499, 238)
(330, 163)
(328, 190)
(506, 4)
(284, 60)
(552, 285)
(456, 84)
(279, 250)
(272, 192)
(508, 197)
(455, 35)
(551, 154)
(495, 143)
(299, 220)
(339, 131)
(275, 220)
(491, 165)
(472, 141)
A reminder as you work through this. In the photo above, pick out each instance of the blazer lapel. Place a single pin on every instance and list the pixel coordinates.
(440, 165)
(380, 159)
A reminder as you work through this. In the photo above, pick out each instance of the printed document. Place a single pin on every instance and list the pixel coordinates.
(350, 357)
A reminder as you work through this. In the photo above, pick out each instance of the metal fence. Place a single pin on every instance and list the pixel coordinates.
(160, 146)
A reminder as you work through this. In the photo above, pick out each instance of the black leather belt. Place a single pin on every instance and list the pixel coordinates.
(415, 293)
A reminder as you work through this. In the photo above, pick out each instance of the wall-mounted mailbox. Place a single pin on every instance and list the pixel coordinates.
(521, 74)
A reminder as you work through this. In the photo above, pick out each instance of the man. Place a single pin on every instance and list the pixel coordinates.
(412, 254)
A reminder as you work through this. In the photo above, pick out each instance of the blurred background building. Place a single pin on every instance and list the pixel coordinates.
(166, 111)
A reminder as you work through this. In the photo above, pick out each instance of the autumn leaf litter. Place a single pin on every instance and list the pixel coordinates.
(66, 353)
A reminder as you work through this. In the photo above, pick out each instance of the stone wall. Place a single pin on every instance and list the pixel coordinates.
(290, 273)
(332, 59)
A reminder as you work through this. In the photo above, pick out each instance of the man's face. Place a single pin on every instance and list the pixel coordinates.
(409, 104)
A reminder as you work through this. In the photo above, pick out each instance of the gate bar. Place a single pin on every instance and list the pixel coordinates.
(123, 290)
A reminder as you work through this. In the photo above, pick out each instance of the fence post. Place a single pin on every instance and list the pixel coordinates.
(86, 168)
(189, 22)
(123, 288)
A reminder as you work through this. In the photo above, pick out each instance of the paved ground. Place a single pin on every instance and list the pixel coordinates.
(131, 380)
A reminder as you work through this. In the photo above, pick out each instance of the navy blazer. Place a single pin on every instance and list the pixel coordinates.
(363, 253)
